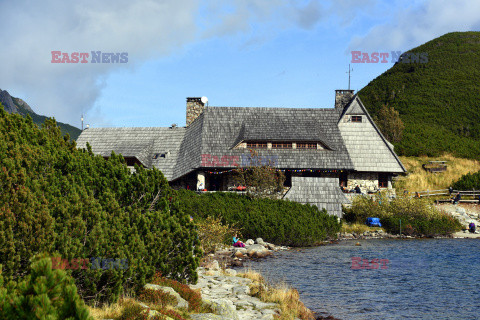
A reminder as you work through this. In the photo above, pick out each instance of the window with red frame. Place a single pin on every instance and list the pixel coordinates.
(302, 145)
(262, 145)
(282, 145)
(356, 118)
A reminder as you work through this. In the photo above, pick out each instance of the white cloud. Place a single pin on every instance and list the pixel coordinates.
(31, 30)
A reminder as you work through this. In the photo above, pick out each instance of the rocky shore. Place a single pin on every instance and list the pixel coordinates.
(465, 213)
(235, 256)
(228, 295)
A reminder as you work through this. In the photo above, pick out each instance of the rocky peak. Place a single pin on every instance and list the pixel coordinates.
(7, 102)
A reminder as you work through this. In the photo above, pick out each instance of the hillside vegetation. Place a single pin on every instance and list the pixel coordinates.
(438, 101)
(417, 179)
(70, 203)
(276, 221)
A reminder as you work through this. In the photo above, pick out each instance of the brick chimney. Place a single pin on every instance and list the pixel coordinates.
(342, 98)
(195, 108)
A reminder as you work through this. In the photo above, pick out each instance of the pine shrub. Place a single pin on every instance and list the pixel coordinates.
(276, 221)
(43, 294)
(76, 205)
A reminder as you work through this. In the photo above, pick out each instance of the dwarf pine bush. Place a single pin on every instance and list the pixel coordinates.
(43, 294)
(73, 204)
(276, 221)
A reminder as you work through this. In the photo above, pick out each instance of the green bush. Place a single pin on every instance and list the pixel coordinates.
(73, 204)
(414, 216)
(469, 181)
(43, 294)
(276, 221)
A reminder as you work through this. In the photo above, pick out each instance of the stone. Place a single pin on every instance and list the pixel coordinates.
(213, 265)
(230, 272)
(239, 254)
(260, 241)
(181, 303)
(223, 307)
(461, 210)
(239, 290)
(261, 254)
(271, 246)
(256, 248)
(249, 242)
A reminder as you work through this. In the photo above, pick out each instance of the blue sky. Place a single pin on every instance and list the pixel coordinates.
(276, 53)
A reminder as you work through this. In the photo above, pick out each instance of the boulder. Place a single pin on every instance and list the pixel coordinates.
(230, 272)
(271, 246)
(260, 241)
(256, 248)
(249, 242)
(181, 303)
(239, 254)
(213, 265)
(223, 307)
(260, 254)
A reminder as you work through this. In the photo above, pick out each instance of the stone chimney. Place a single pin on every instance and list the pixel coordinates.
(195, 108)
(342, 98)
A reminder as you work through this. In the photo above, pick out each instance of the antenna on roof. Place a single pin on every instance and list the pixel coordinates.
(204, 100)
(349, 70)
(82, 121)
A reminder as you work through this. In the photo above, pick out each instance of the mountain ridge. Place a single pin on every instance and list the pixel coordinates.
(19, 106)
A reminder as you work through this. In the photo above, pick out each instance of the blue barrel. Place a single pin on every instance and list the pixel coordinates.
(373, 222)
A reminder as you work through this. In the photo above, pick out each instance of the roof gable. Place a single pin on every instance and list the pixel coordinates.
(368, 148)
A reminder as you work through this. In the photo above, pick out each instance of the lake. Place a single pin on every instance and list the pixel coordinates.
(420, 279)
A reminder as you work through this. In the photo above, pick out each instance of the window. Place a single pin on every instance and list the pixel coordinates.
(383, 180)
(356, 118)
(303, 145)
(262, 145)
(282, 145)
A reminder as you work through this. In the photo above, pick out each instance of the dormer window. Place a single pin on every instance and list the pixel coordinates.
(281, 145)
(302, 145)
(261, 145)
(356, 118)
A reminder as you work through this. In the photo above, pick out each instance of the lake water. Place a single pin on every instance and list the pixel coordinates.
(424, 279)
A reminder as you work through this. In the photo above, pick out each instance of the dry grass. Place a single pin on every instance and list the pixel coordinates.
(110, 311)
(420, 180)
(286, 297)
(357, 228)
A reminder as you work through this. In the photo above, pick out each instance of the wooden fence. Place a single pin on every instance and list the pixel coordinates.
(446, 192)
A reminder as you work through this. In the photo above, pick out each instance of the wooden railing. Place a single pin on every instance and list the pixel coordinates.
(443, 192)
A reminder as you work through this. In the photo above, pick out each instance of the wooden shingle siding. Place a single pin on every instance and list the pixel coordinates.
(367, 148)
(323, 192)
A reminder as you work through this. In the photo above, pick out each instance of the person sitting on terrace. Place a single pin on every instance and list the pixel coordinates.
(457, 198)
(357, 189)
(237, 242)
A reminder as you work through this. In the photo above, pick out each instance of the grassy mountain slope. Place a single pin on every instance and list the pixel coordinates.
(438, 101)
